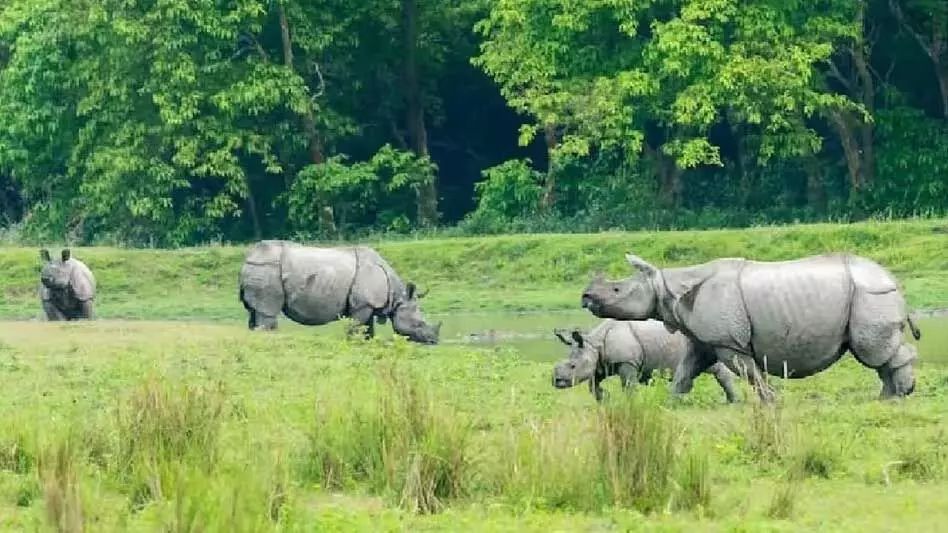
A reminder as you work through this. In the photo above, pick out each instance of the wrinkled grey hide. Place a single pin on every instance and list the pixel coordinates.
(66, 288)
(789, 318)
(633, 350)
(314, 286)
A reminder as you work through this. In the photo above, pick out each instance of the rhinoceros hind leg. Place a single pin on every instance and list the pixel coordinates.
(745, 365)
(86, 310)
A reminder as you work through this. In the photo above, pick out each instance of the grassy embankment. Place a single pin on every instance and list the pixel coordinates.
(140, 425)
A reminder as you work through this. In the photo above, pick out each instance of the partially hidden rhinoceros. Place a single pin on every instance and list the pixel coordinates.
(314, 286)
(633, 350)
(67, 287)
(791, 318)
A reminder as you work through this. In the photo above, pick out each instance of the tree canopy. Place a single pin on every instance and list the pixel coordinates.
(168, 122)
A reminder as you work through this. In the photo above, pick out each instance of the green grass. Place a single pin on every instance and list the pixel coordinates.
(182, 420)
(489, 274)
(147, 425)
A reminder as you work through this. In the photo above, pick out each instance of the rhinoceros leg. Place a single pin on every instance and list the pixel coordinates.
(53, 314)
(690, 367)
(87, 310)
(726, 379)
(365, 317)
(745, 365)
(595, 387)
(630, 376)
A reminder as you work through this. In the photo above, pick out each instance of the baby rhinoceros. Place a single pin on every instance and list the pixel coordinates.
(633, 350)
(67, 287)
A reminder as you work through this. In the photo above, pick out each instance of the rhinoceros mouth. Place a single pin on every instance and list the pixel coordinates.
(562, 383)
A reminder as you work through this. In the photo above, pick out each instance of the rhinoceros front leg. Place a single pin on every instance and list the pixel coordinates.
(726, 379)
(53, 314)
(364, 317)
(689, 367)
(595, 387)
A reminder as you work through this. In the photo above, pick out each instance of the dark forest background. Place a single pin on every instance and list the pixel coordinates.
(173, 122)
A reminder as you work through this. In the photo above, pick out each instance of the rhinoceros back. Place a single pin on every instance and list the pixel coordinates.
(261, 283)
(317, 283)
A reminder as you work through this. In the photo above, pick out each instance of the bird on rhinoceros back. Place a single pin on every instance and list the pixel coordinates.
(314, 286)
(633, 350)
(67, 287)
(791, 318)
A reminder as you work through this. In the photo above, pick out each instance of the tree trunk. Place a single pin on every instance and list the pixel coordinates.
(868, 98)
(549, 186)
(815, 193)
(252, 209)
(855, 134)
(427, 194)
(313, 140)
(943, 85)
(668, 173)
(309, 121)
(934, 45)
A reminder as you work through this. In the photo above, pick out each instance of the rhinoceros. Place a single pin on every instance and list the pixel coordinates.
(792, 318)
(314, 286)
(633, 350)
(66, 288)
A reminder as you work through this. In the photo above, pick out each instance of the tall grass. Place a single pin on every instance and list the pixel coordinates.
(161, 427)
(400, 443)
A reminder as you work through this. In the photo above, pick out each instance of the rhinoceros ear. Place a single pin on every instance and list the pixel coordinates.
(578, 337)
(410, 290)
(562, 336)
(66, 254)
(44, 255)
(640, 264)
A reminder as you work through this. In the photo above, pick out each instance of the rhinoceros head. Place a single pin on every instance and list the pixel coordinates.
(407, 319)
(631, 298)
(55, 273)
(581, 363)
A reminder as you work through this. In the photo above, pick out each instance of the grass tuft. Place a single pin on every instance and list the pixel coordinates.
(161, 425)
(401, 443)
(61, 491)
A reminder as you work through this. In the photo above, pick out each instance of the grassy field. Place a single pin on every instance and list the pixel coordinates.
(144, 421)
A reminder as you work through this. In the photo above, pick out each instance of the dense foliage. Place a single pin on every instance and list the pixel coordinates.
(168, 122)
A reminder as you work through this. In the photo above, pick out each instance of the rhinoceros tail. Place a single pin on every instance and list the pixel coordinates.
(917, 333)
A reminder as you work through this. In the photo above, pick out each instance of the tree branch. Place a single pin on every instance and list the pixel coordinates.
(900, 17)
(314, 68)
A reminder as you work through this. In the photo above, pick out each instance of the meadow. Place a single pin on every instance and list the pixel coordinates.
(167, 414)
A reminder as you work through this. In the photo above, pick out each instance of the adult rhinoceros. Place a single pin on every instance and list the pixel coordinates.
(631, 349)
(791, 318)
(315, 286)
(66, 288)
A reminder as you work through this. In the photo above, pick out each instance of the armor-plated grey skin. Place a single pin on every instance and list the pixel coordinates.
(66, 288)
(314, 286)
(633, 350)
(791, 318)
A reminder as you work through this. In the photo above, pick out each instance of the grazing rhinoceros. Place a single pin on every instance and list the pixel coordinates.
(315, 286)
(67, 287)
(632, 350)
(791, 318)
